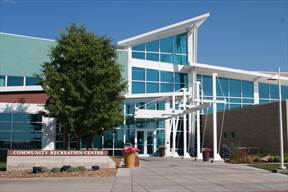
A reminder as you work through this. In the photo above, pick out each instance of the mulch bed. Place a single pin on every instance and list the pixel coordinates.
(88, 173)
(28, 174)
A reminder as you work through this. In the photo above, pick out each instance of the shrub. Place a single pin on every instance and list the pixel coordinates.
(82, 168)
(55, 170)
(73, 169)
(239, 156)
(44, 169)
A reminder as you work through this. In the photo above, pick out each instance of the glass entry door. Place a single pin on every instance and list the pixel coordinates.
(146, 142)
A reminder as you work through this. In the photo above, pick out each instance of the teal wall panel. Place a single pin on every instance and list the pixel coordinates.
(22, 56)
(123, 61)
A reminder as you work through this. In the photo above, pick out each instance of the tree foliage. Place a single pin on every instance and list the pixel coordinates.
(83, 82)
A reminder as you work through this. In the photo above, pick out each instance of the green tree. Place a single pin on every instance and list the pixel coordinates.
(84, 84)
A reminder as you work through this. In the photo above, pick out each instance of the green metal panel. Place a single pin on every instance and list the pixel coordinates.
(22, 56)
(123, 61)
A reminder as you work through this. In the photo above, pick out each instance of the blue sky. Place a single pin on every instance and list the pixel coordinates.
(244, 34)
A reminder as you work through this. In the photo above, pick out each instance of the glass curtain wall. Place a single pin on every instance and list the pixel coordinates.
(270, 92)
(171, 49)
(156, 81)
(20, 131)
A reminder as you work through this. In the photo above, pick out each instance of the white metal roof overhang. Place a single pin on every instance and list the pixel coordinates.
(177, 28)
(238, 73)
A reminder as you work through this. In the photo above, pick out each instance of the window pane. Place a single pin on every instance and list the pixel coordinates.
(152, 56)
(152, 46)
(180, 59)
(207, 85)
(166, 58)
(235, 106)
(29, 127)
(247, 89)
(31, 81)
(274, 92)
(138, 87)
(25, 136)
(167, 87)
(138, 73)
(152, 75)
(130, 108)
(24, 117)
(263, 90)
(152, 87)
(179, 86)
(15, 81)
(97, 141)
(180, 44)
(160, 105)
(130, 135)
(108, 139)
(138, 55)
(166, 76)
(166, 45)
(2, 81)
(118, 138)
(284, 90)
(235, 88)
(181, 78)
(5, 116)
(222, 87)
(140, 47)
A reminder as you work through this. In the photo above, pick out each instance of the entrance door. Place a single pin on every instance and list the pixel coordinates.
(146, 142)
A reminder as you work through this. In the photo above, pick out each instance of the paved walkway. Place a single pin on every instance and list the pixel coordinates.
(161, 176)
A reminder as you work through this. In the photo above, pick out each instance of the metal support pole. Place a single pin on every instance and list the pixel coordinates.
(216, 156)
(199, 153)
(174, 129)
(186, 155)
(280, 124)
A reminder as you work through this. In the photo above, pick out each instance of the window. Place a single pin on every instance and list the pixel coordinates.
(138, 87)
(31, 81)
(207, 85)
(139, 47)
(2, 81)
(166, 45)
(222, 87)
(166, 76)
(15, 81)
(247, 89)
(138, 73)
(152, 56)
(152, 87)
(274, 91)
(152, 75)
(235, 88)
(138, 55)
(152, 46)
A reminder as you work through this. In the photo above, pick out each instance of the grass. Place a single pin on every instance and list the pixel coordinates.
(2, 166)
(268, 166)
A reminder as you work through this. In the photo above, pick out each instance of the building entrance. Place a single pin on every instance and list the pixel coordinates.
(145, 141)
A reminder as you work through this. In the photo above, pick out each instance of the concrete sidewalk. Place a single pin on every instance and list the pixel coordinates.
(187, 175)
(161, 176)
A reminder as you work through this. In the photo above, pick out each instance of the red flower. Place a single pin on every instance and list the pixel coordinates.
(131, 150)
(206, 149)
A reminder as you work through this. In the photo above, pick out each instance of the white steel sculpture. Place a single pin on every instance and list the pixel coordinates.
(187, 105)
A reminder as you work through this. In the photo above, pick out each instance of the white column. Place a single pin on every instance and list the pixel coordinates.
(186, 155)
(167, 131)
(199, 152)
(48, 133)
(216, 156)
(129, 68)
(174, 129)
(256, 92)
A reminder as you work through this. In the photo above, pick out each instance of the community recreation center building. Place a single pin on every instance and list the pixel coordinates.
(166, 87)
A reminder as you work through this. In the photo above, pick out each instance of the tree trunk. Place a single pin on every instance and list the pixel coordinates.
(66, 138)
(78, 142)
(89, 141)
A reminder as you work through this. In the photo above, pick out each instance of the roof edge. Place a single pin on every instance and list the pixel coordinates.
(26, 36)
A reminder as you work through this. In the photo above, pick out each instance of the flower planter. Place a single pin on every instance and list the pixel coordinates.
(161, 152)
(130, 160)
(206, 153)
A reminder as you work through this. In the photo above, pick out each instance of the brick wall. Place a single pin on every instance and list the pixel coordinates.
(38, 97)
(255, 126)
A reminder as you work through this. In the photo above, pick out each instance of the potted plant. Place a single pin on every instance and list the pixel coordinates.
(162, 149)
(130, 155)
(206, 153)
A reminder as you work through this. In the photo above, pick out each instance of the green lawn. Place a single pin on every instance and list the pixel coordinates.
(268, 166)
(2, 166)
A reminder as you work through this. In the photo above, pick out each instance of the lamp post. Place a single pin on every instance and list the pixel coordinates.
(280, 123)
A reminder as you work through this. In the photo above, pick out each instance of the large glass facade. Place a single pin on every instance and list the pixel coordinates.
(155, 81)
(238, 93)
(20, 131)
(270, 92)
(171, 49)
